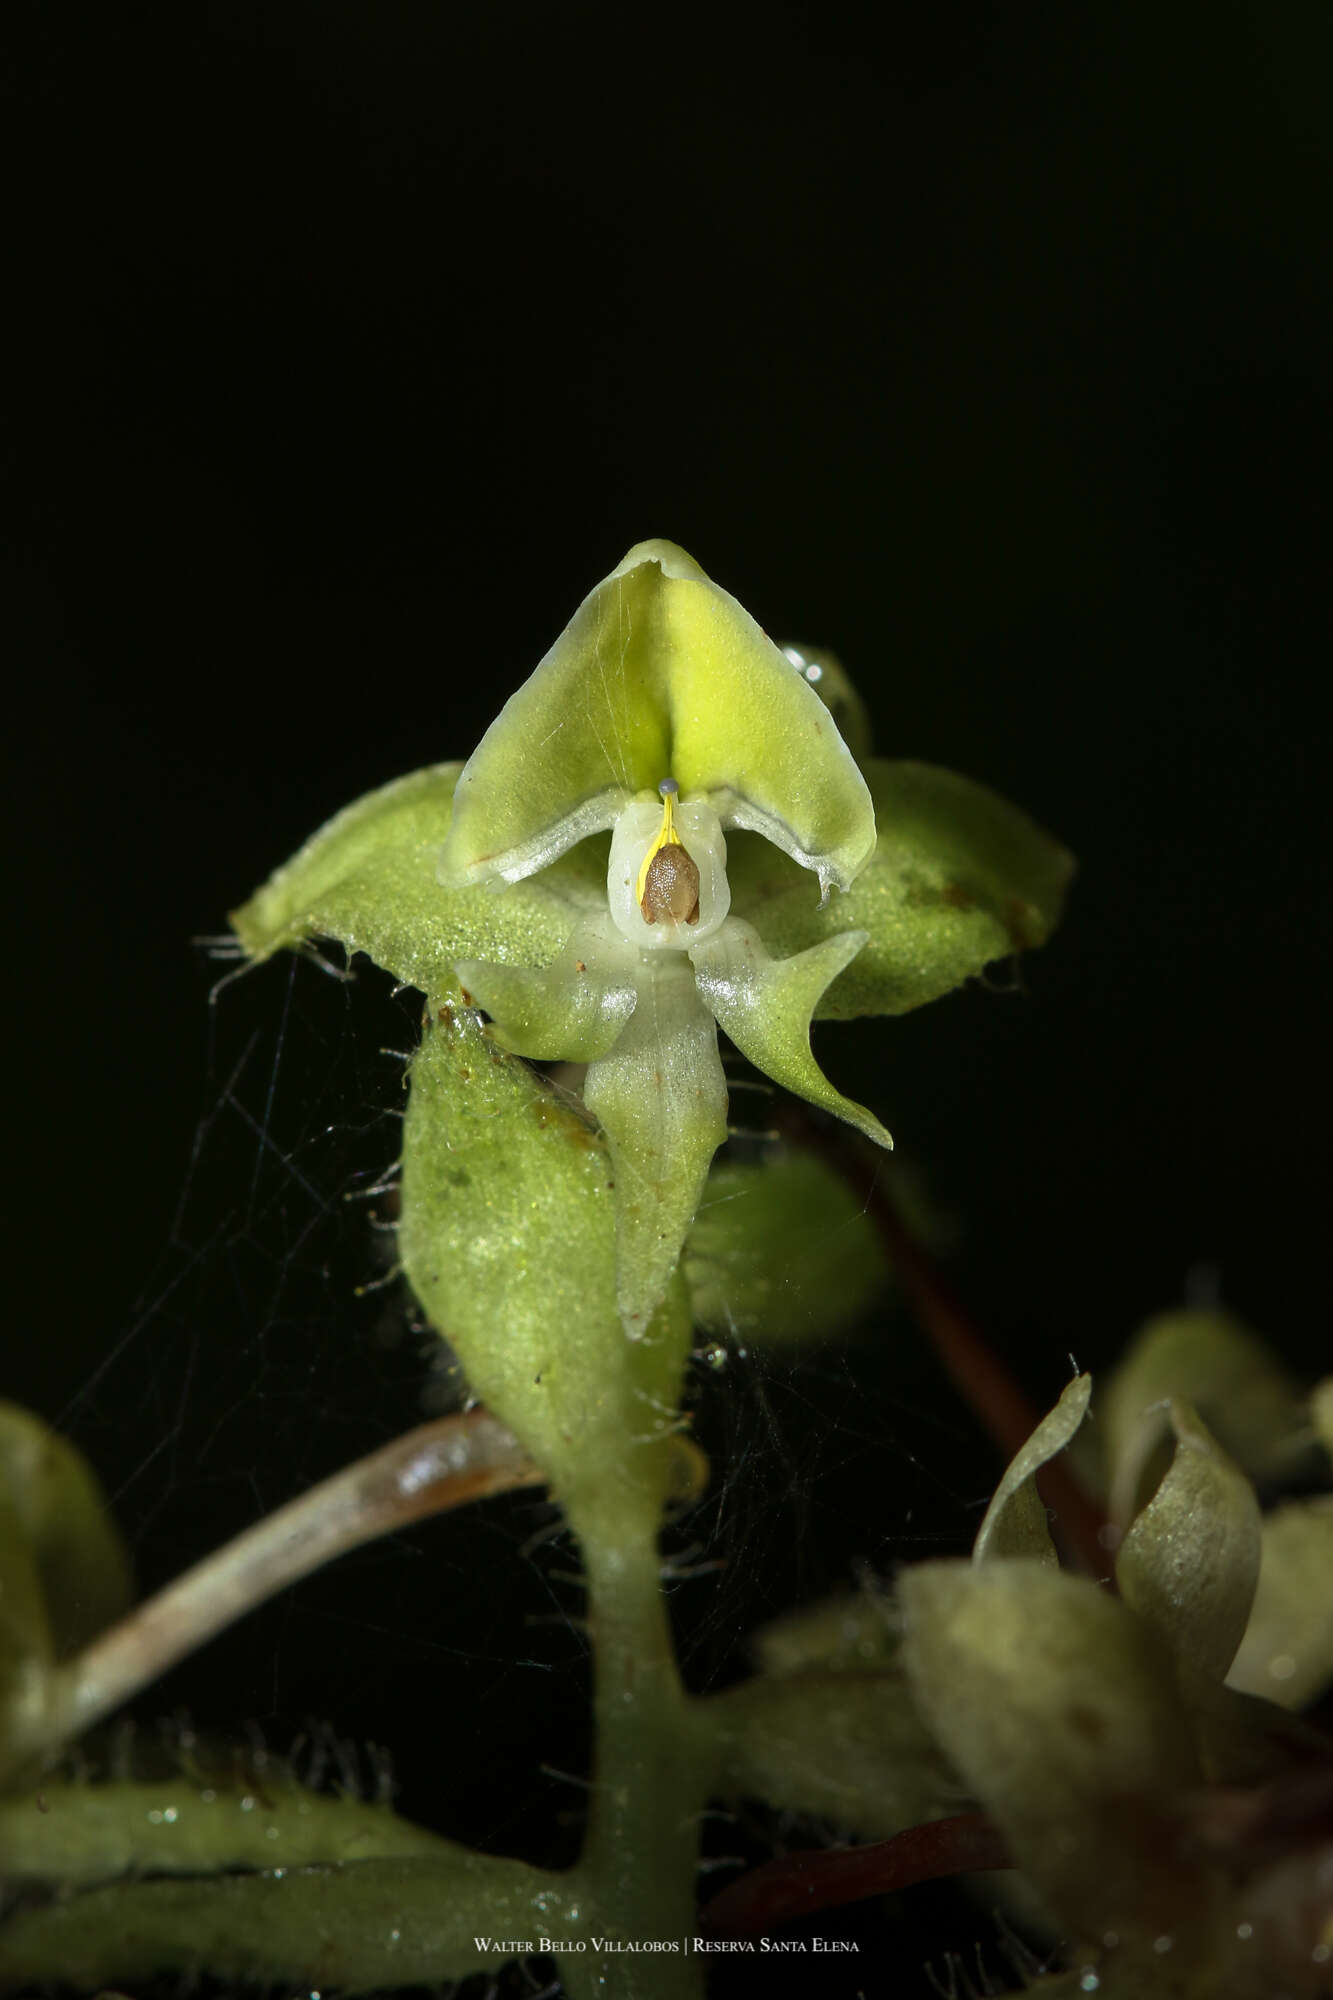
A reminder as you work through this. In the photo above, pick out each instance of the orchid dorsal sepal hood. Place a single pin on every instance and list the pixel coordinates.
(659, 675)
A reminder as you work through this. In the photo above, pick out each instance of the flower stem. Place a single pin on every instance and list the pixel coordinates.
(651, 1772)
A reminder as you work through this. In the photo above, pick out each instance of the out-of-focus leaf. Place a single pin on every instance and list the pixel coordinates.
(1015, 1523)
(363, 1927)
(1249, 1402)
(1190, 1561)
(850, 1747)
(507, 1236)
(781, 1249)
(25, 1629)
(1060, 1711)
(1321, 1412)
(1245, 1739)
(1287, 1651)
(61, 1533)
(845, 1633)
(73, 1835)
(958, 878)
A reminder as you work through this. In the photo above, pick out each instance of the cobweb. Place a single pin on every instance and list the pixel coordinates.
(276, 1341)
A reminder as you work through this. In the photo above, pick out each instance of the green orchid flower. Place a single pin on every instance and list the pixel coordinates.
(665, 718)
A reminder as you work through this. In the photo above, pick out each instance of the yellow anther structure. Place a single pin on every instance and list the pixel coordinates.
(666, 835)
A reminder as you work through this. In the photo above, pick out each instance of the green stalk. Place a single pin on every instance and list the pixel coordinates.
(650, 1776)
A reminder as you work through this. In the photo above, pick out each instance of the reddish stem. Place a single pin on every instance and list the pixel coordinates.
(986, 1385)
(975, 1370)
(798, 1885)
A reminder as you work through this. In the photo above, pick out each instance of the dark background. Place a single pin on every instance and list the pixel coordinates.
(357, 343)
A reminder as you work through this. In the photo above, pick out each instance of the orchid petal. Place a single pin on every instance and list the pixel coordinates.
(571, 1010)
(765, 1006)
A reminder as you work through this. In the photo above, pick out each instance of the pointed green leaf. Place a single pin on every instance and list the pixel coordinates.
(67, 1543)
(958, 878)
(659, 674)
(765, 1006)
(661, 1098)
(1015, 1523)
(1241, 1390)
(849, 1747)
(368, 879)
(1059, 1709)
(1287, 1651)
(781, 1249)
(1190, 1561)
(507, 1236)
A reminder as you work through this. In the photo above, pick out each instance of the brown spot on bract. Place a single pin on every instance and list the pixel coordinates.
(551, 1114)
(579, 966)
(1086, 1722)
(957, 897)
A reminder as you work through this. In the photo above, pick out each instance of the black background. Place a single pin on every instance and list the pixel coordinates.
(356, 344)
